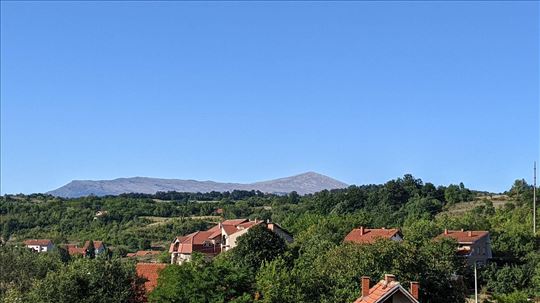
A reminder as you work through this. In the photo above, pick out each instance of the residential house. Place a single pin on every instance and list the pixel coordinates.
(364, 235)
(217, 239)
(388, 291)
(39, 245)
(205, 242)
(74, 249)
(474, 245)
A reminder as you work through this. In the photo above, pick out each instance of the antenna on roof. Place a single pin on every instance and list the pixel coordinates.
(534, 200)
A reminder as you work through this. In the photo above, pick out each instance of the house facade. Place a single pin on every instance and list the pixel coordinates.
(220, 238)
(387, 291)
(473, 245)
(364, 235)
(39, 245)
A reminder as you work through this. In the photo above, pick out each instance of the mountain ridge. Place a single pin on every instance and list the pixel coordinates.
(304, 183)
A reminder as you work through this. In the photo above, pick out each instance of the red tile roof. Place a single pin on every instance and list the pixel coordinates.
(196, 241)
(40, 242)
(464, 236)
(149, 271)
(230, 229)
(369, 235)
(74, 250)
(384, 290)
(186, 243)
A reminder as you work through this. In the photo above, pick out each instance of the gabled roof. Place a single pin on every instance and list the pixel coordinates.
(370, 235)
(464, 236)
(149, 271)
(40, 242)
(230, 229)
(97, 245)
(383, 290)
(185, 244)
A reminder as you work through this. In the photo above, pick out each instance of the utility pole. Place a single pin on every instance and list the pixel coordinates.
(534, 200)
(475, 284)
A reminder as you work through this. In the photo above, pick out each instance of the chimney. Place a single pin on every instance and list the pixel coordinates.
(415, 288)
(462, 229)
(469, 233)
(361, 230)
(389, 278)
(446, 231)
(365, 286)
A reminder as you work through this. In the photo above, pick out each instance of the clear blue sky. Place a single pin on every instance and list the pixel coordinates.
(235, 91)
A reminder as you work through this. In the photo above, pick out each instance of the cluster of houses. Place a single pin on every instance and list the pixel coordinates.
(474, 246)
(221, 237)
(46, 245)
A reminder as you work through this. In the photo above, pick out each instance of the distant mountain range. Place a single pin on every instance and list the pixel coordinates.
(305, 183)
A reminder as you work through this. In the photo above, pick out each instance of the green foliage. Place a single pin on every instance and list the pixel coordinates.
(27, 276)
(201, 281)
(20, 267)
(514, 297)
(88, 280)
(258, 245)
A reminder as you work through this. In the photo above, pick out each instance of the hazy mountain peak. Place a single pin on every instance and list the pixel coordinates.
(304, 183)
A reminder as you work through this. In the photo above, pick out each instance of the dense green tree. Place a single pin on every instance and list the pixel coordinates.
(205, 282)
(89, 280)
(259, 244)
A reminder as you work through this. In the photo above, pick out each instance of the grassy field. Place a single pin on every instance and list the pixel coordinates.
(463, 207)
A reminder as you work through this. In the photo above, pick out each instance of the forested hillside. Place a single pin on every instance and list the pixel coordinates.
(316, 267)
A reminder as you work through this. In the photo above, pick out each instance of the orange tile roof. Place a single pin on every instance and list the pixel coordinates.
(370, 235)
(230, 229)
(186, 243)
(382, 291)
(74, 250)
(149, 271)
(40, 242)
(464, 236)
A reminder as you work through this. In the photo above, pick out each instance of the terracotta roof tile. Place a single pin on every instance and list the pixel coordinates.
(382, 290)
(40, 242)
(149, 271)
(368, 235)
(74, 250)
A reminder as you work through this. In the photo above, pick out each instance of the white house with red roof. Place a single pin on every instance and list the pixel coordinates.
(39, 245)
(387, 291)
(474, 245)
(364, 235)
(217, 239)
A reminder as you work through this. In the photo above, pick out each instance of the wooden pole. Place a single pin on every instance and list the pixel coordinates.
(534, 200)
